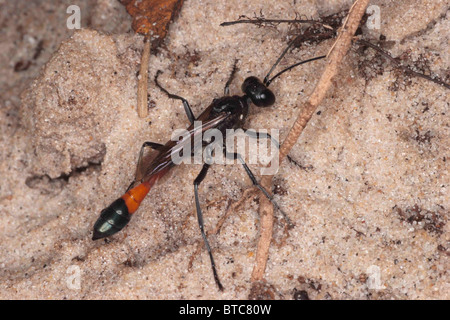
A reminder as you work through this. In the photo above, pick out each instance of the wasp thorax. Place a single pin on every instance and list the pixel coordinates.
(260, 95)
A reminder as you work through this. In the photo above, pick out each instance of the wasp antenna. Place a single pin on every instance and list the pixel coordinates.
(268, 82)
(279, 59)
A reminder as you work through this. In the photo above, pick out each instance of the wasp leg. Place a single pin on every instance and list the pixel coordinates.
(197, 182)
(187, 107)
(237, 156)
(226, 90)
(259, 135)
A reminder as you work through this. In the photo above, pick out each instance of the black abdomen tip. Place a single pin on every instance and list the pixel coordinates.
(112, 219)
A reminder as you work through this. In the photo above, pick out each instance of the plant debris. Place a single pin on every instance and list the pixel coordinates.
(420, 217)
(152, 17)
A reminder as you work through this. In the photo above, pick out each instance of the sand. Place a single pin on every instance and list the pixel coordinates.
(367, 184)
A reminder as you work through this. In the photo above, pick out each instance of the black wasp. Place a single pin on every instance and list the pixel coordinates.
(227, 112)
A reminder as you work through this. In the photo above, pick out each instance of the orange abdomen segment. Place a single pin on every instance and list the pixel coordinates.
(134, 197)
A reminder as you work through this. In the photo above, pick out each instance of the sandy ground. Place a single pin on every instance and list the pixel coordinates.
(367, 186)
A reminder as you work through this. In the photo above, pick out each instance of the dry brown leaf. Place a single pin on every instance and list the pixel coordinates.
(152, 17)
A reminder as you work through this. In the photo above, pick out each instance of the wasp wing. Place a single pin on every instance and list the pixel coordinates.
(162, 161)
(147, 156)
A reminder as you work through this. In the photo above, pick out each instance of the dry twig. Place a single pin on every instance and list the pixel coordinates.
(142, 104)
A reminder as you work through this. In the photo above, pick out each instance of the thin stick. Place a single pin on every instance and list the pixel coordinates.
(335, 58)
(142, 90)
